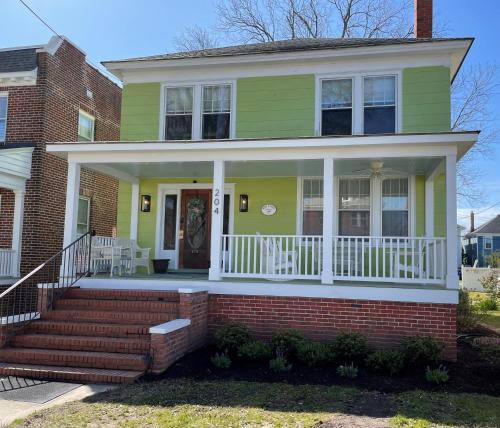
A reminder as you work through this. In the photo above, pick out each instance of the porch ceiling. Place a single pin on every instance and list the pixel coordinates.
(285, 168)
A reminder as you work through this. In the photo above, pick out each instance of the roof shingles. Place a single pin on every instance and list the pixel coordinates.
(12, 61)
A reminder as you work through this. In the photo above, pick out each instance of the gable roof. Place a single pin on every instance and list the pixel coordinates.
(291, 45)
(15, 60)
(492, 226)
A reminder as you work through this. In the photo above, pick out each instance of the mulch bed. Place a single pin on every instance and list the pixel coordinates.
(469, 374)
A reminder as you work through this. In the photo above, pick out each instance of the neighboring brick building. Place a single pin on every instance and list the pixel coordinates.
(50, 93)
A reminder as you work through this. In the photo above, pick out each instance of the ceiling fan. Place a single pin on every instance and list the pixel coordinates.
(377, 169)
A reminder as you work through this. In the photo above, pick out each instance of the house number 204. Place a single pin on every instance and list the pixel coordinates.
(216, 201)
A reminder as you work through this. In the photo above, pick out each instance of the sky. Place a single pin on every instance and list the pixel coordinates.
(115, 29)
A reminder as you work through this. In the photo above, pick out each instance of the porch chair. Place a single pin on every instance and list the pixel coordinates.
(410, 262)
(139, 257)
(104, 256)
(276, 260)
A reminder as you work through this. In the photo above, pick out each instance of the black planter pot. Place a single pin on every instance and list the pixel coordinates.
(160, 265)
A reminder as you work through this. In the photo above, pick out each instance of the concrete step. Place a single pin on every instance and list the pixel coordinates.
(51, 357)
(82, 343)
(119, 305)
(111, 317)
(100, 329)
(94, 293)
(75, 374)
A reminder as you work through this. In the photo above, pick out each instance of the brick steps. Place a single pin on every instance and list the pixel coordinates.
(88, 329)
(51, 357)
(76, 374)
(95, 315)
(165, 307)
(135, 295)
(82, 343)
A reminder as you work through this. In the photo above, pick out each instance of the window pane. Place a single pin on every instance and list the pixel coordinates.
(336, 93)
(380, 91)
(354, 223)
(169, 228)
(85, 128)
(179, 100)
(354, 193)
(83, 215)
(395, 223)
(312, 191)
(3, 126)
(178, 127)
(395, 194)
(216, 126)
(336, 122)
(380, 120)
(3, 107)
(312, 223)
(217, 99)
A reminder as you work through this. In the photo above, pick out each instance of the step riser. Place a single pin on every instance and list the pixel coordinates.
(70, 343)
(169, 308)
(130, 331)
(109, 317)
(87, 293)
(105, 361)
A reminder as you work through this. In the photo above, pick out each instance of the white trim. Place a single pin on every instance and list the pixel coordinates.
(266, 288)
(328, 219)
(72, 195)
(134, 211)
(116, 173)
(19, 78)
(170, 326)
(451, 222)
(217, 218)
(17, 230)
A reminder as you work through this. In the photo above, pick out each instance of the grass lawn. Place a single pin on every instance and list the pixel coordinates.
(492, 319)
(188, 403)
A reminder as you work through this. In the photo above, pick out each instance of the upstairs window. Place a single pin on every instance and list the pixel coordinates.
(86, 124)
(395, 207)
(336, 107)
(216, 114)
(312, 206)
(379, 105)
(179, 113)
(3, 117)
(354, 207)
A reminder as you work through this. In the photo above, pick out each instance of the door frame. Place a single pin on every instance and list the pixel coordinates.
(176, 189)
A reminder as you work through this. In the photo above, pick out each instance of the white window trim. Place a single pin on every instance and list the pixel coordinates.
(358, 97)
(88, 116)
(196, 130)
(5, 95)
(89, 201)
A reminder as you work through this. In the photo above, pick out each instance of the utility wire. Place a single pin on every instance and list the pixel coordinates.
(40, 19)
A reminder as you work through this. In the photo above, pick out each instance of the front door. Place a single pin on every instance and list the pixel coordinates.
(194, 237)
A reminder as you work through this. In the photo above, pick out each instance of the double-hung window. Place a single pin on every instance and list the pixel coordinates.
(336, 107)
(354, 207)
(379, 94)
(488, 243)
(312, 206)
(395, 207)
(179, 113)
(86, 125)
(3, 117)
(216, 114)
(83, 219)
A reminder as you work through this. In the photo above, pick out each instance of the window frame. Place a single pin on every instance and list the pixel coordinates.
(338, 210)
(197, 122)
(323, 79)
(488, 240)
(396, 100)
(358, 97)
(88, 116)
(164, 115)
(89, 205)
(408, 209)
(6, 96)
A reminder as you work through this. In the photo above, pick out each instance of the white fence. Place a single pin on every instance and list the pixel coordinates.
(355, 258)
(8, 260)
(471, 277)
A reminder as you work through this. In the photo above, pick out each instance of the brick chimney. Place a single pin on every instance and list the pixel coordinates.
(472, 221)
(422, 26)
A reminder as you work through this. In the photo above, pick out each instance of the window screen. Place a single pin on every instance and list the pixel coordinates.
(336, 107)
(216, 111)
(380, 105)
(179, 113)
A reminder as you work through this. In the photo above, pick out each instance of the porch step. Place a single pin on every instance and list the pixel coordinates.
(81, 343)
(109, 316)
(88, 329)
(75, 374)
(165, 307)
(110, 294)
(51, 357)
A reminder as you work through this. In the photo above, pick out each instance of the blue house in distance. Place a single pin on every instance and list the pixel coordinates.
(482, 242)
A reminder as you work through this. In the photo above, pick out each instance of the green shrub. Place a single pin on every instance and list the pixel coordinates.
(221, 361)
(437, 376)
(468, 314)
(255, 350)
(422, 350)
(491, 284)
(231, 336)
(389, 362)
(312, 353)
(349, 346)
(279, 364)
(348, 370)
(488, 304)
(287, 342)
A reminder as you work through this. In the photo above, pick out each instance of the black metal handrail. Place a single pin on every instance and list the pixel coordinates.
(37, 291)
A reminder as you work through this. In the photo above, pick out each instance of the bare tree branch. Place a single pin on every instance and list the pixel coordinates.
(195, 38)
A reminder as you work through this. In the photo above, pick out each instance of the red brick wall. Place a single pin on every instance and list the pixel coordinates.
(384, 323)
(6, 217)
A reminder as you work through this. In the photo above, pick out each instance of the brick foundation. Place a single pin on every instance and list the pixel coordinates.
(384, 323)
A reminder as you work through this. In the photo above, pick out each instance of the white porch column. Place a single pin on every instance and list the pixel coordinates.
(451, 222)
(214, 273)
(17, 230)
(134, 211)
(429, 207)
(72, 195)
(328, 173)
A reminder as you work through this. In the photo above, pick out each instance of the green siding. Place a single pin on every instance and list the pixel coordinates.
(280, 106)
(140, 119)
(420, 205)
(124, 209)
(426, 99)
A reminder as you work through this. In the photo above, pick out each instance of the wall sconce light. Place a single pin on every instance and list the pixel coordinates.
(145, 203)
(243, 203)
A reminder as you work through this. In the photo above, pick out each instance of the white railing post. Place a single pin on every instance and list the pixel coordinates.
(328, 174)
(214, 273)
(451, 222)
(134, 211)
(17, 232)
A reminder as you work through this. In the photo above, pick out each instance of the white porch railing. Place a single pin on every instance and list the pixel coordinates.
(355, 258)
(8, 258)
(272, 256)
